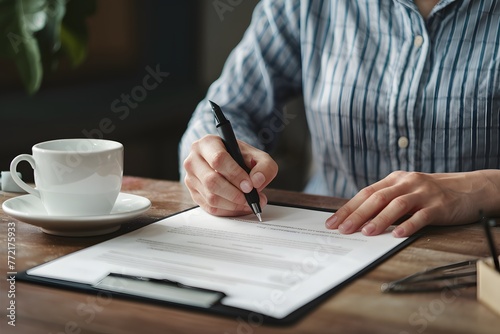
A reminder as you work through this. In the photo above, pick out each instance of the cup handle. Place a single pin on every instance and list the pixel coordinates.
(15, 177)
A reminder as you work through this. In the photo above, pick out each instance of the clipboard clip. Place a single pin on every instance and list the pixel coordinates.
(160, 289)
(451, 276)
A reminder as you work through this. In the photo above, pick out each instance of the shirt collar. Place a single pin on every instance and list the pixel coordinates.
(439, 6)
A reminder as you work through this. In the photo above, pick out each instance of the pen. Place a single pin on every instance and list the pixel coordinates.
(453, 275)
(488, 223)
(227, 134)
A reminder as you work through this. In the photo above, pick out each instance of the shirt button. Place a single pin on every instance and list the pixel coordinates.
(403, 142)
(418, 41)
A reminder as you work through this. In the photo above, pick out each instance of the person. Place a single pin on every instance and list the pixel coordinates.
(402, 100)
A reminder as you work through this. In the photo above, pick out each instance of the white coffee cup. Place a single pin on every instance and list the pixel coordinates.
(74, 177)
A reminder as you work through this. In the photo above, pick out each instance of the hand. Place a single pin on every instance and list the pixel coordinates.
(423, 199)
(217, 183)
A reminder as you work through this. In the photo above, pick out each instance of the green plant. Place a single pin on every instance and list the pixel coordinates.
(35, 34)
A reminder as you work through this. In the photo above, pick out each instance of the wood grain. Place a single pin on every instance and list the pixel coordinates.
(359, 307)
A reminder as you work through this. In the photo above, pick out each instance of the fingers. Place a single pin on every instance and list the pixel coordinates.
(219, 208)
(380, 205)
(212, 186)
(212, 151)
(416, 222)
(263, 168)
(217, 183)
(362, 207)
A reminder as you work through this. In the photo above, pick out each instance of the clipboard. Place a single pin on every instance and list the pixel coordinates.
(196, 298)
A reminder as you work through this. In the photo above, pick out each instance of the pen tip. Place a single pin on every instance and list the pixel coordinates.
(258, 216)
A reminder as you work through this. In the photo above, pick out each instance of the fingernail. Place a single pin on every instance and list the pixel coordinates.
(258, 179)
(245, 186)
(368, 229)
(398, 232)
(331, 221)
(345, 227)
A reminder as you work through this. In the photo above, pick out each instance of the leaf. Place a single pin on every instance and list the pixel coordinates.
(74, 46)
(29, 64)
(49, 38)
(34, 14)
(74, 34)
(17, 41)
(32, 28)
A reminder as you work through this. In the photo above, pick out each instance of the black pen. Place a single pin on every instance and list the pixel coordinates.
(227, 134)
(488, 223)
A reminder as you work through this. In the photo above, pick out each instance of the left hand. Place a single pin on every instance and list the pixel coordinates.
(428, 199)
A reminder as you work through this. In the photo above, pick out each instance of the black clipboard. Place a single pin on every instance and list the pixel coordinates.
(210, 299)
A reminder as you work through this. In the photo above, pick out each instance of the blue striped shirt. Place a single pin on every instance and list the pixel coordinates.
(384, 89)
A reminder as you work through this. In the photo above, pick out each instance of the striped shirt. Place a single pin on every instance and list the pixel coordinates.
(384, 89)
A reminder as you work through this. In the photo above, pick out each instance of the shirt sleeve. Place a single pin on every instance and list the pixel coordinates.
(259, 76)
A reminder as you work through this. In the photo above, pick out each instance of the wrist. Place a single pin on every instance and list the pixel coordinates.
(490, 194)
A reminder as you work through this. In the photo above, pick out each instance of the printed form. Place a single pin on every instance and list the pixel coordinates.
(273, 267)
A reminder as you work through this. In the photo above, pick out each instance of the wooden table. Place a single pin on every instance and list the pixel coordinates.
(360, 307)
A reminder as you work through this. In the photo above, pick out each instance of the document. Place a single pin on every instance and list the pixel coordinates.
(272, 268)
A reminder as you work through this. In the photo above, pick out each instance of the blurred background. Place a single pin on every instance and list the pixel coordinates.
(105, 95)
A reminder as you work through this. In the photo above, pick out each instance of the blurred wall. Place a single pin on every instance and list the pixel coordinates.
(223, 28)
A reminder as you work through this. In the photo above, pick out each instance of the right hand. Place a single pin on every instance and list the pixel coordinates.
(217, 183)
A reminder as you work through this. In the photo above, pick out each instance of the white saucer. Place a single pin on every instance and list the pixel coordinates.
(29, 209)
